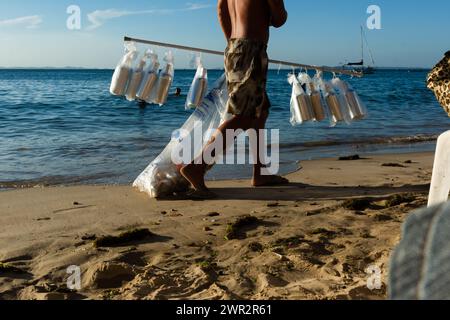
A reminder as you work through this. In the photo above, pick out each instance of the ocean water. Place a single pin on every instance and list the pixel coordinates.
(63, 126)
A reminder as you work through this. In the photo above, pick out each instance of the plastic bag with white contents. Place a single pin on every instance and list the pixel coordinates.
(162, 178)
(199, 86)
(336, 106)
(148, 85)
(301, 108)
(137, 75)
(165, 80)
(121, 76)
(318, 106)
(356, 106)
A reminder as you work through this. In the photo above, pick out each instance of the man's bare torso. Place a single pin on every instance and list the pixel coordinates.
(250, 19)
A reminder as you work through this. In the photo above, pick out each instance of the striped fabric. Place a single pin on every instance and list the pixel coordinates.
(420, 265)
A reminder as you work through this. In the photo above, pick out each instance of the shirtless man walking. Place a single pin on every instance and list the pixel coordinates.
(245, 24)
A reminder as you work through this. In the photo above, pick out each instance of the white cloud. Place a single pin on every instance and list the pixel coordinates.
(30, 22)
(98, 17)
(196, 6)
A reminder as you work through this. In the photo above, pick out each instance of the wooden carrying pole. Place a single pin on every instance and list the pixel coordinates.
(219, 53)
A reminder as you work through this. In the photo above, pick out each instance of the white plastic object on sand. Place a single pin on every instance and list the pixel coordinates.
(165, 80)
(313, 91)
(356, 108)
(301, 108)
(123, 70)
(137, 75)
(198, 87)
(162, 177)
(148, 85)
(440, 183)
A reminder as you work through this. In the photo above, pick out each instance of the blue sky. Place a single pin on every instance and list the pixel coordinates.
(325, 32)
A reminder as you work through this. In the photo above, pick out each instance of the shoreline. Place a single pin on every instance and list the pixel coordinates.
(308, 240)
(43, 182)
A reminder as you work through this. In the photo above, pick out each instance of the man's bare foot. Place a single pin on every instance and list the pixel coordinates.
(195, 174)
(269, 181)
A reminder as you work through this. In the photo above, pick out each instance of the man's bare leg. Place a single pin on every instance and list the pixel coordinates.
(260, 180)
(195, 172)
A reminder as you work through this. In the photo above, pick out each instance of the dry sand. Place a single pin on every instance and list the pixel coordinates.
(304, 245)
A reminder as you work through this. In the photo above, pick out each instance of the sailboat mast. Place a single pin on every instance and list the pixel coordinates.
(364, 37)
(362, 45)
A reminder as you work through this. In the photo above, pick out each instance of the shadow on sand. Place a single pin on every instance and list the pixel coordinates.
(303, 192)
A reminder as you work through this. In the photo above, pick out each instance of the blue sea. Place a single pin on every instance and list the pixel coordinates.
(63, 126)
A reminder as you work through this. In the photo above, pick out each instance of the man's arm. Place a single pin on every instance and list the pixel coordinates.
(278, 13)
(224, 18)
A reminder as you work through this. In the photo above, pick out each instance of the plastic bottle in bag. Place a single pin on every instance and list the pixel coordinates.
(150, 80)
(198, 87)
(337, 109)
(333, 103)
(137, 76)
(357, 109)
(313, 91)
(164, 80)
(123, 70)
(317, 104)
(301, 108)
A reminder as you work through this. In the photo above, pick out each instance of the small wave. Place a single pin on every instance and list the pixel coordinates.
(53, 181)
(368, 141)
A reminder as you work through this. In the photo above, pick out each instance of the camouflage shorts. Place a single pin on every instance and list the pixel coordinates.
(246, 65)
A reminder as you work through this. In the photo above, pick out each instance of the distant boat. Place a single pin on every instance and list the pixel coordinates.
(360, 65)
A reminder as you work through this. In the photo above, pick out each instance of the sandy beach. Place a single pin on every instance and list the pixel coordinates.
(308, 240)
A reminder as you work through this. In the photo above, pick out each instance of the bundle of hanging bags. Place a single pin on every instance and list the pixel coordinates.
(312, 100)
(142, 80)
(315, 100)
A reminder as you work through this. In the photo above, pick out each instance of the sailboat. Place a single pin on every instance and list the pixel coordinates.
(360, 65)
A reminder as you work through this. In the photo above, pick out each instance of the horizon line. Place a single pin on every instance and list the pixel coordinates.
(215, 68)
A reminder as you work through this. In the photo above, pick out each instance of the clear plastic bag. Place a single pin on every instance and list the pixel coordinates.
(148, 85)
(121, 76)
(336, 106)
(162, 177)
(199, 86)
(356, 107)
(137, 76)
(301, 107)
(318, 106)
(165, 80)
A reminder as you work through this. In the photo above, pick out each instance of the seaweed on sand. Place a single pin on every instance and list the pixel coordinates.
(350, 158)
(289, 242)
(234, 229)
(7, 268)
(124, 238)
(399, 199)
(256, 247)
(357, 204)
(393, 165)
